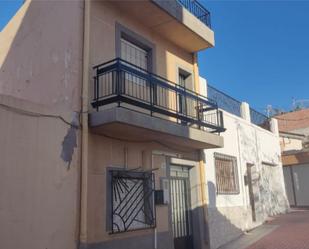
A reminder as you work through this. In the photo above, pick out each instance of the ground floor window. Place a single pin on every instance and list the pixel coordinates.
(132, 200)
(226, 174)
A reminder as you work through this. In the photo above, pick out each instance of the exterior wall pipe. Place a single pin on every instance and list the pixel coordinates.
(203, 184)
(84, 132)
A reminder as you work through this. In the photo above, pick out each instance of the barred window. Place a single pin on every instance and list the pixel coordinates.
(132, 200)
(226, 174)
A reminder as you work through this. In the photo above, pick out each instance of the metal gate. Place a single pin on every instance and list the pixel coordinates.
(180, 208)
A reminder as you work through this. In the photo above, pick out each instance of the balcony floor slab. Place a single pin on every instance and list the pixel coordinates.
(120, 122)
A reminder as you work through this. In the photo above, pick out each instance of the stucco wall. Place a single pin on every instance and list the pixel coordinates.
(230, 215)
(40, 78)
(41, 53)
(104, 18)
(107, 152)
(38, 189)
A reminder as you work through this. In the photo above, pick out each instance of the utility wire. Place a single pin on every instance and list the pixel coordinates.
(37, 114)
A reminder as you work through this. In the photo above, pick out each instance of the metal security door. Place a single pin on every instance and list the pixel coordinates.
(180, 208)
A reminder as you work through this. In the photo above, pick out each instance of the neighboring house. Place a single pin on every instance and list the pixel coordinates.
(244, 178)
(100, 113)
(295, 121)
(294, 136)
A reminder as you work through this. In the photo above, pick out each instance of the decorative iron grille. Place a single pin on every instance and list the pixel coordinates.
(226, 174)
(132, 200)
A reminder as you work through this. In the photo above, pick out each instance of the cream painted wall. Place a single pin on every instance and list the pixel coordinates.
(39, 190)
(107, 152)
(41, 54)
(104, 16)
(40, 81)
(288, 143)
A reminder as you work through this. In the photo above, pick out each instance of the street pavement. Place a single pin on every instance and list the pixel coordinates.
(288, 231)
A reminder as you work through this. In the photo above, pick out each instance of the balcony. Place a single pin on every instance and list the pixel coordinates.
(197, 10)
(185, 23)
(128, 95)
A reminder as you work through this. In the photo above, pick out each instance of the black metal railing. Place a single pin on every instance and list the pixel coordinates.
(224, 101)
(118, 81)
(259, 119)
(198, 10)
(233, 106)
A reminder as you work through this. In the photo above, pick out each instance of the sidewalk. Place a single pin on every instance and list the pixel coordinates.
(289, 231)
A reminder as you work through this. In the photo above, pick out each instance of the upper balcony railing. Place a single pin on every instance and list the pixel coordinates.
(198, 10)
(118, 81)
(233, 106)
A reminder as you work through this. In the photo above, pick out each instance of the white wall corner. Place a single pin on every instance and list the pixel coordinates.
(245, 111)
(274, 126)
(203, 86)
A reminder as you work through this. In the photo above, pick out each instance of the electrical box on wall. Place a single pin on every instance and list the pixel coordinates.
(159, 198)
(165, 186)
(162, 196)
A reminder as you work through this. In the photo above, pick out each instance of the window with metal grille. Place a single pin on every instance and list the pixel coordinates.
(226, 174)
(132, 200)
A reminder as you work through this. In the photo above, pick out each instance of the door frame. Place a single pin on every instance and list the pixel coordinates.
(199, 238)
(250, 191)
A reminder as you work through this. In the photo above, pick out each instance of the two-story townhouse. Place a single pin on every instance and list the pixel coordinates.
(104, 126)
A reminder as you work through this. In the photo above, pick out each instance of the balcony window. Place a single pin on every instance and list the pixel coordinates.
(134, 54)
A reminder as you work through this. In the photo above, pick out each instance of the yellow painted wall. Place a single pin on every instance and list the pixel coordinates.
(106, 152)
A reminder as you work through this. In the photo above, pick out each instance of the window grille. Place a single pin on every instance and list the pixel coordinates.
(132, 200)
(226, 174)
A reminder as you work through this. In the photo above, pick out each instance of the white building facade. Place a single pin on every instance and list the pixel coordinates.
(244, 179)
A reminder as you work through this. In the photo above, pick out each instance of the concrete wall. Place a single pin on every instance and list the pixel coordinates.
(230, 215)
(40, 78)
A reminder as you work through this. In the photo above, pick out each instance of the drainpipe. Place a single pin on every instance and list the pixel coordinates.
(201, 152)
(84, 131)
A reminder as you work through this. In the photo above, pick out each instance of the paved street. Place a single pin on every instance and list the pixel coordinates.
(292, 232)
(289, 231)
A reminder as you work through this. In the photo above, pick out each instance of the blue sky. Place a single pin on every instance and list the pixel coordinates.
(262, 51)
(261, 54)
(7, 9)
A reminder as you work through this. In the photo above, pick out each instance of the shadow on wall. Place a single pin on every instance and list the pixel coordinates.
(220, 229)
